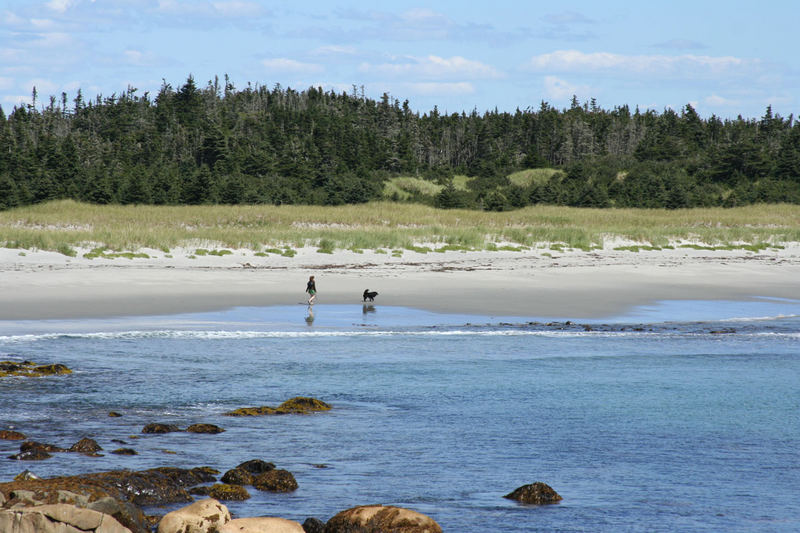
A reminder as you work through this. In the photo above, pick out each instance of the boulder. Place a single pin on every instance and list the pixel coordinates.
(147, 487)
(237, 476)
(58, 518)
(114, 414)
(314, 525)
(86, 446)
(297, 405)
(7, 434)
(160, 428)
(256, 466)
(383, 519)
(31, 369)
(263, 524)
(537, 493)
(226, 492)
(202, 516)
(204, 428)
(36, 454)
(30, 445)
(275, 481)
(125, 451)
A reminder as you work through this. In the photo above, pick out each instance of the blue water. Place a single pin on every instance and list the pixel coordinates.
(682, 416)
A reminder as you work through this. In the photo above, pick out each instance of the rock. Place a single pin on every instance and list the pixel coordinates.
(200, 490)
(86, 446)
(202, 516)
(160, 428)
(58, 518)
(114, 414)
(125, 513)
(263, 524)
(25, 497)
(275, 481)
(2, 499)
(204, 428)
(125, 451)
(7, 434)
(256, 466)
(35, 454)
(148, 487)
(314, 525)
(237, 476)
(25, 475)
(383, 519)
(30, 369)
(297, 405)
(70, 498)
(226, 492)
(30, 445)
(537, 493)
(302, 405)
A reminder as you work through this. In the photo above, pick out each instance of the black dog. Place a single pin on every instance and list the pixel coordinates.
(370, 295)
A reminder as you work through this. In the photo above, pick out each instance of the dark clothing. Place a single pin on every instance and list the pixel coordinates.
(311, 288)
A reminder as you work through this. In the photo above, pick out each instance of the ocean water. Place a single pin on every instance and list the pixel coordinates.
(681, 416)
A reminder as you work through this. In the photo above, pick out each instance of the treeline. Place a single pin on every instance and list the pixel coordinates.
(220, 144)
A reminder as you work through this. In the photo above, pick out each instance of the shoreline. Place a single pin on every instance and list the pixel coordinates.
(534, 283)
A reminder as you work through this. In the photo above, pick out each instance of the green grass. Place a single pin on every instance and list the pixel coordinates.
(538, 176)
(64, 226)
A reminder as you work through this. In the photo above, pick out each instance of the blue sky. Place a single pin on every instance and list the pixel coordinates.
(725, 58)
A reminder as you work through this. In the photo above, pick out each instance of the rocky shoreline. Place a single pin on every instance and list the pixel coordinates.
(119, 501)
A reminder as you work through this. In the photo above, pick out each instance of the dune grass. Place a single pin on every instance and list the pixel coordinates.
(66, 225)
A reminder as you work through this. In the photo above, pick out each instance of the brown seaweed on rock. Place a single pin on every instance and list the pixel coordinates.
(298, 405)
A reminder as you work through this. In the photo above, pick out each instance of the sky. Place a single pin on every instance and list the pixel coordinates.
(725, 58)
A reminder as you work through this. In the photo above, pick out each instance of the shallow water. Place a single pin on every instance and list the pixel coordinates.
(669, 418)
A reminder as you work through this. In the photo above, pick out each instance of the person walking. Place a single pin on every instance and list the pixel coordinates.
(311, 289)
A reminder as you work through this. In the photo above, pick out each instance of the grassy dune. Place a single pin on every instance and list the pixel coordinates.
(63, 225)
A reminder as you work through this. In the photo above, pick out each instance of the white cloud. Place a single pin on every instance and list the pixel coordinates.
(687, 65)
(720, 101)
(59, 5)
(6, 83)
(237, 9)
(220, 8)
(331, 50)
(559, 89)
(434, 67)
(139, 58)
(283, 64)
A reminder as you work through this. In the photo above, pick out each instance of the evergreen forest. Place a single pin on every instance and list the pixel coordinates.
(219, 144)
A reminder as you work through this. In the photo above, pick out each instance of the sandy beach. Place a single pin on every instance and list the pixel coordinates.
(532, 283)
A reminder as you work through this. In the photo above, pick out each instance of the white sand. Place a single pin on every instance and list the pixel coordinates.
(575, 284)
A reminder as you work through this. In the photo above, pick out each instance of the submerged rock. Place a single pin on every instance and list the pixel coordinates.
(226, 492)
(31, 369)
(7, 434)
(204, 428)
(275, 481)
(537, 493)
(380, 518)
(297, 405)
(125, 451)
(160, 428)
